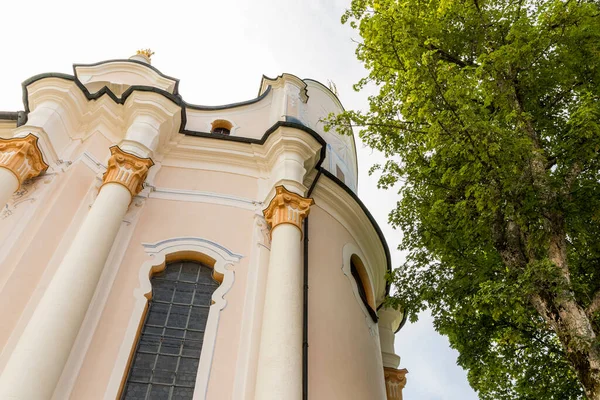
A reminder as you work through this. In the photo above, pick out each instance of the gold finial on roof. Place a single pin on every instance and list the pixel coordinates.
(146, 53)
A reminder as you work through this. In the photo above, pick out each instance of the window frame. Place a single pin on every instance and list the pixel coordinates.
(143, 334)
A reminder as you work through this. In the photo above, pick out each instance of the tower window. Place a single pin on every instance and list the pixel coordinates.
(166, 359)
(221, 127)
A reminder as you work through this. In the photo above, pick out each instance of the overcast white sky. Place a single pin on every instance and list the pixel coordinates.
(219, 50)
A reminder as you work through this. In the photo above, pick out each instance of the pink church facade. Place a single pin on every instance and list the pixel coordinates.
(152, 248)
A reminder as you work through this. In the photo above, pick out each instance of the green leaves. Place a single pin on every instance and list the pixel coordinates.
(489, 114)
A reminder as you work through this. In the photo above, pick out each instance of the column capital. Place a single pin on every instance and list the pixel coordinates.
(287, 208)
(395, 380)
(22, 156)
(126, 169)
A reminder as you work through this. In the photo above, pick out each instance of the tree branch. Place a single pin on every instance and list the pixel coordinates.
(444, 55)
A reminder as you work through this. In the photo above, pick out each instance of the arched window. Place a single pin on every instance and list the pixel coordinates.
(166, 359)
(359, 273)
(221, 127)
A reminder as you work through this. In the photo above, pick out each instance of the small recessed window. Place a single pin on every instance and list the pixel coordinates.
(221, 131)
(221, 127)
(359, 273)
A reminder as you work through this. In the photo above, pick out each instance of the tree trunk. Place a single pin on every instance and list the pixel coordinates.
(574, 330)
(571, 324)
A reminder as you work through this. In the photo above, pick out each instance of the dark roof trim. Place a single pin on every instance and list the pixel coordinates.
(175, 88)
(178, 100)
(227, 106)
(9, 115)
(94, 96)
(266, 78)
(404, 318)
(344, 109)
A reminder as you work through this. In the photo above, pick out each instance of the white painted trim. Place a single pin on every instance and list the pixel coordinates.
(347, 252)
(251, 320)
(224, 260)
(204, 197)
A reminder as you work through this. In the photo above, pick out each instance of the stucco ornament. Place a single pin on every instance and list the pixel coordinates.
(287, 208)
(395, 380)
(126, 169)
(22, 156)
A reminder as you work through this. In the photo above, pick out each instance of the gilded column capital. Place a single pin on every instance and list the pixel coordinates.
(395, 380)
(287, 208)
(22, 156)
(126, 169)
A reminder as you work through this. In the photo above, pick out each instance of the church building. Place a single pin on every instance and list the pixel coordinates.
(155, 249)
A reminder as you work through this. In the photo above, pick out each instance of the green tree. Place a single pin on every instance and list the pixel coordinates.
(488, 113)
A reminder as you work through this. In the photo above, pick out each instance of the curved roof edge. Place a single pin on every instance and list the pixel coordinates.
(337, 100)
(267, 82)
(230, 105)
(149, 66)
(178, 100)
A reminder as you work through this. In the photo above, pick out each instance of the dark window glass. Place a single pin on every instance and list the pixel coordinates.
(361, 287)
(221, 131)
(168, 351)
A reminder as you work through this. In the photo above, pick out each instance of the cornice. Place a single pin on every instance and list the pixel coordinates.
(233, 146)
(280, 81)
(230, 105)
(151, 75)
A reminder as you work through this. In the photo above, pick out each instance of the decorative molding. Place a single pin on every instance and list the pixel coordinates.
(126, 169)
(203, 197)
(22, 157)
(24, 194)
(120, 75)
(262, 224)
(222, 260)
(280, 82)
(287, 208)
(251, 316)
(146, 53)
(395, 380)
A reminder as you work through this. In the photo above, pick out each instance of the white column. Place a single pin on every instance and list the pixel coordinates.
(39, 357)
(8, 185)
(20, 159)
(389, 321)
(395, 379)
(279, 373)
